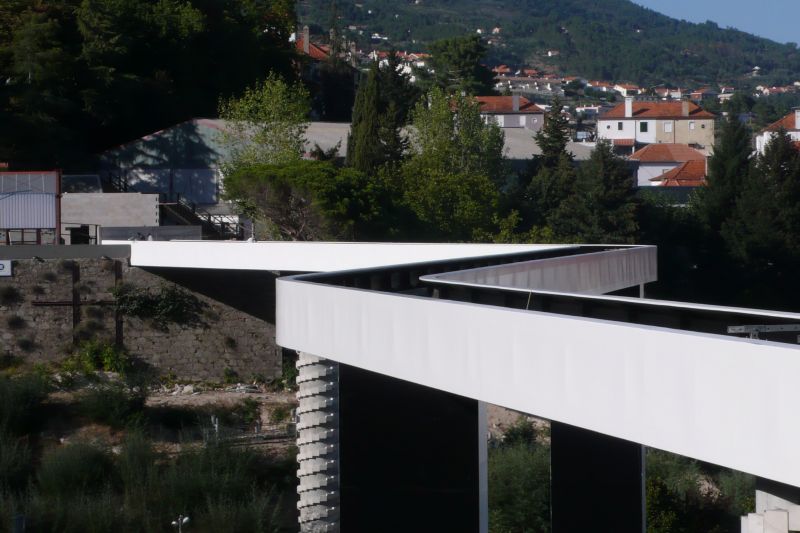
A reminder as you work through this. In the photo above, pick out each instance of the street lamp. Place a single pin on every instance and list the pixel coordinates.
(180, 522)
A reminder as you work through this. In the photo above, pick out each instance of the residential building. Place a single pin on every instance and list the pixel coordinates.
(655, 160)
(647, 121)
(688, 174)
(626, 89)
(511, 111)
(790, 123)
(30, 207)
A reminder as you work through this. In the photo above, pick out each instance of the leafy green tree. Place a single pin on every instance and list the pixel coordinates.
(727, 171)
(457, 66)
(456, 160)
(553, 138)
(309, 200)
(266, 125)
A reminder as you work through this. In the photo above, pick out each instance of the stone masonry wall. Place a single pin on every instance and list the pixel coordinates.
(49, 305)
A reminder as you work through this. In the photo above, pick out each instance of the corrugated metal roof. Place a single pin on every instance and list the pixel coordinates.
(28, 182)
(27, 210)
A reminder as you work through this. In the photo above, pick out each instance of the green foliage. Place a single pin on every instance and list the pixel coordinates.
(519, 489)
(113, 404)
(311, 200)
(230, 376)
(74, 468)
(93, 355)
(15, 463)
(600, 41)
(521, 433)
(552, 139)
(365, 151)
(280, 413)
(265, 126)
(171, 304)
(458, 66)
(21, 400)
(84, 75)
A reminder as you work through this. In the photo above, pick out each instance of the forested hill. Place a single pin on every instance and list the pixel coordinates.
(599, 39)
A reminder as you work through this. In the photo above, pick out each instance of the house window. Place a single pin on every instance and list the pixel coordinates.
(702, 126)
(619, 126)
(643, 127)
(691, 124)
(668, 127)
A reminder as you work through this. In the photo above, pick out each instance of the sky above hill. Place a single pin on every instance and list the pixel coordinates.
(773, 19)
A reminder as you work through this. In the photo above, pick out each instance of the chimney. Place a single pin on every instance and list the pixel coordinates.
(684, 107)
(628, 106)
(306, 40)
(515, 102)
(797, 118)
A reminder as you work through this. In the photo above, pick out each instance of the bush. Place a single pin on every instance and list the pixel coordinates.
(114, 405)
(15, 464)
(170, 304)
(230, 376)
(10, 295)
(21, 403)
(522, 432)
(92, 355)
(73, 470)
(280, 413)
(519, 488)
(15, 322)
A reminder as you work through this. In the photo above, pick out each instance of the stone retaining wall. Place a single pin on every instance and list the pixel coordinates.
(49, 305)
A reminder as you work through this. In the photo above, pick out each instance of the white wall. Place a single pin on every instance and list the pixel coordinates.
(650, 135)
(607, 129)
(651, 170)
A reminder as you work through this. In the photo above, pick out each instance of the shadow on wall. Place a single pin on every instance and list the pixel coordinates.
(248, 291)
(182, 159)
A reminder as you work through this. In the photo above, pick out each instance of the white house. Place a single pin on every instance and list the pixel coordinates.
(656, 160)
(790, 123)
(511, 111)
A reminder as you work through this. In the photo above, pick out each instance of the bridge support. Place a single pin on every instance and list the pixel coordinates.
(382, 454)
(597, 482)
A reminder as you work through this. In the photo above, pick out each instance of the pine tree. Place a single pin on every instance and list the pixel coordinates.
(365, 151)
(727, 170)
(602, 205)
(552, 139)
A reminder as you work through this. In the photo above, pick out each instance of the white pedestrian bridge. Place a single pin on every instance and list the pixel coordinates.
(527, 327)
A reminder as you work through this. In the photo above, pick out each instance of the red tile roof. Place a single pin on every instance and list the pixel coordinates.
(658, 109)
(788, 123)
(688, 174)
(624, 142)
(505, 104)
(667, 152)
(314, 51)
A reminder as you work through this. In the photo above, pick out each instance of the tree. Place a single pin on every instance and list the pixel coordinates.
(365, 149)
(266, 125)
(602, 206)
(727, 170)
(456, 160)
(309, 200)
(763, 231)
(457, 66)
(553, 138)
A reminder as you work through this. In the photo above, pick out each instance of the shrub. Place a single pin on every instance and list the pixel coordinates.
(280, 413)
(15, 463)
(10, 295)
(92, 355)
(170, 304)
(519, 488)
(21, 403)
(230, 376)
(114, 405)
(25, 344)
(15, 322)
(74, 469)
(522, 432)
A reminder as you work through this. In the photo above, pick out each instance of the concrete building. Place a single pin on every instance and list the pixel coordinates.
(637, 122)
(85, 214)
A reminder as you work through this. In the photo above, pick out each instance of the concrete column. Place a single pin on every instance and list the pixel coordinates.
(318, 444)
(596, 482)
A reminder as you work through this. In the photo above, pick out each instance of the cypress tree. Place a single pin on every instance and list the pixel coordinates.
(552, 139)
(365, 151)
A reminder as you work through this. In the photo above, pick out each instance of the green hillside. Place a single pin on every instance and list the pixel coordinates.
(604, 39)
